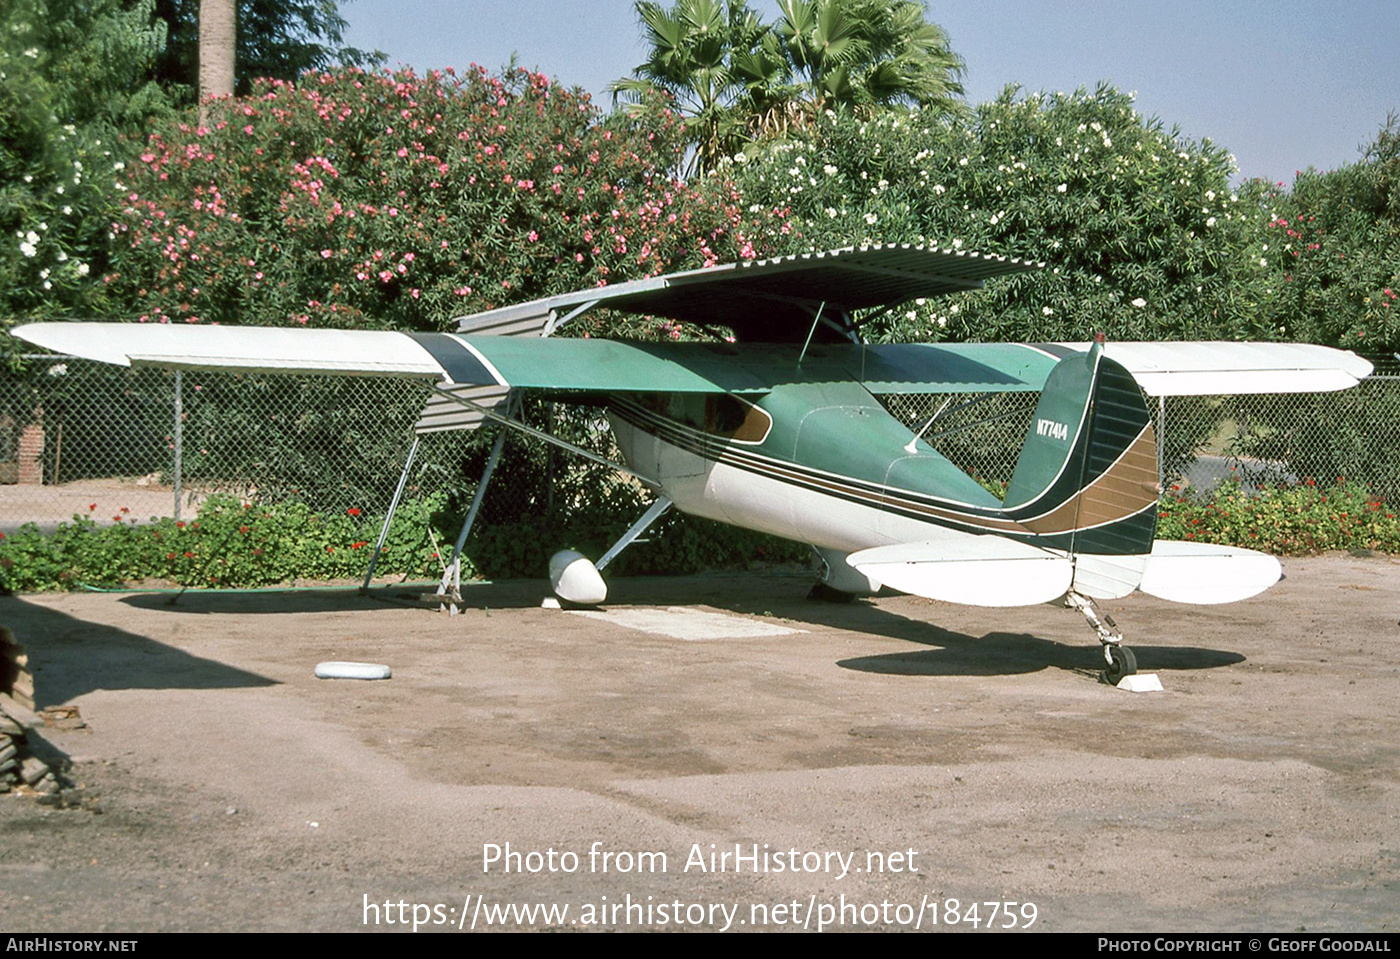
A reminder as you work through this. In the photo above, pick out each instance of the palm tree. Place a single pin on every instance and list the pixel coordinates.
(693, 50)
(868, 53)
(740, 79)
(217, 30)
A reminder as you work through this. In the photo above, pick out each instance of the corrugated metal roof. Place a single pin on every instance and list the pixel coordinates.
(773, 300)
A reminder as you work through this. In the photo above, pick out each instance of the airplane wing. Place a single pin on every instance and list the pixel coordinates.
(610, 366)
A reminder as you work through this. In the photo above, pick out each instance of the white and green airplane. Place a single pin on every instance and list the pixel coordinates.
(779, 426)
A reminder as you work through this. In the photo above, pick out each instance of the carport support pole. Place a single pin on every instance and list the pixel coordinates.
(178, 436)
(389, 517)
(453, 574)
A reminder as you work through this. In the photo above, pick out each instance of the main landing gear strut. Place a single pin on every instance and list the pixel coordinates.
(1119, 659)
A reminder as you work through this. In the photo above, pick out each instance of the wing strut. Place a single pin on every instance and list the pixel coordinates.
(515, 424)
(450, 589)
(388, 517)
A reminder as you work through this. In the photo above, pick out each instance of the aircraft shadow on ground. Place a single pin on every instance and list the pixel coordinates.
(998, 654)
(953, 653)
(945, 652)
(510, 594)
(69, 656)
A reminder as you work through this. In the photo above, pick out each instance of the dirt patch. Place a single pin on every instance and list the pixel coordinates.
(219, 785)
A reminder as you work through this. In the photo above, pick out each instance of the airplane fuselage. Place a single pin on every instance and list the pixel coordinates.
(818, 463)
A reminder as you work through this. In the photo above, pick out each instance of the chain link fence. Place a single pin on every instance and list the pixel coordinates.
(112, 443)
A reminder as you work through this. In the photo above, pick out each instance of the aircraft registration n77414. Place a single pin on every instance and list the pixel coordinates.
(777, 424)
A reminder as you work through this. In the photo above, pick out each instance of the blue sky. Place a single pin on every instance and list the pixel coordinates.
(1282, 84)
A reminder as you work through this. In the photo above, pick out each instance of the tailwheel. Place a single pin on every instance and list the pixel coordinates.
(1121, 662)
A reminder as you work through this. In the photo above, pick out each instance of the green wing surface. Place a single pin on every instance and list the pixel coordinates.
(613, 366)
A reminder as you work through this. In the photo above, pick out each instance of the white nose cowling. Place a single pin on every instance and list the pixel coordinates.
(575, 579)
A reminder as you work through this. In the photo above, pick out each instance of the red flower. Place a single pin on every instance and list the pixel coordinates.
(353, 511)
(92, 507)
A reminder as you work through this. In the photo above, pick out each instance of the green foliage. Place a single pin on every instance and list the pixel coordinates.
(1284, 520)
(397, 201)
(1333, 245)
(232, 543)
(1141, 231)
(279, 39)
(73, 79)
(737, 79)
(867, 53)
(236, 544)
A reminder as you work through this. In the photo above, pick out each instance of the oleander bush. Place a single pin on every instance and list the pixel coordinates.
(1293, 519)
(233, 543)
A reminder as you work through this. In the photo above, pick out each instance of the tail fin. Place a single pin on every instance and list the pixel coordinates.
(1086, 478)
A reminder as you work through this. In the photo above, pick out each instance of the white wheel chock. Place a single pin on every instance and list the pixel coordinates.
(352, 671)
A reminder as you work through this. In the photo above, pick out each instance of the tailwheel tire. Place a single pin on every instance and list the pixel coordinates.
(1121, 662)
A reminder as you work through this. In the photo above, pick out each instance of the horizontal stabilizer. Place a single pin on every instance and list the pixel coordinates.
(972, 570)
(1204, 574)
(1226, 368)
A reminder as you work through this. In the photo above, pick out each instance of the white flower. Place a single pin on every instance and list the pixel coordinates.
(870, 218)
(953, 308)
(58, 369)
(1263, 262)
(1062, 188)
(829, 170)
(962, 162)
(84, 269)
(831, 212)
(1139, 303)
(1210, 222)
(1046, 310)
(957, 244)
(28, 249)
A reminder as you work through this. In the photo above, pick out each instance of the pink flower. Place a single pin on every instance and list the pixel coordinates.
(534, 236)
(325, 254)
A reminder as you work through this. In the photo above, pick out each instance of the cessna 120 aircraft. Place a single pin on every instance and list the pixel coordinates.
(779, 427)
